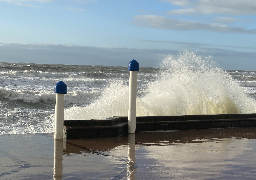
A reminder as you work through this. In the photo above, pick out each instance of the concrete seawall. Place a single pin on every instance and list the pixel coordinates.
(118, 126)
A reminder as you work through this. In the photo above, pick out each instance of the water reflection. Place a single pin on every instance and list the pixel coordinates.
(196, 154)
(58, 152)
(131, 157)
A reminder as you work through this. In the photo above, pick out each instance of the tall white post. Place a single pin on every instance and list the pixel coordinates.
(133, 68)
(60, 89)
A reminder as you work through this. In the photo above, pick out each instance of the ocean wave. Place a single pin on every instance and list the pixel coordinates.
(187, 85)
(75, 97)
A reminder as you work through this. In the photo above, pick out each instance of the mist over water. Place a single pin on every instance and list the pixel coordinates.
(188, 84)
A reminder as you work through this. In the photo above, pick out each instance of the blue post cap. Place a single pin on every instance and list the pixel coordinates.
(60, 88)
(133, 65)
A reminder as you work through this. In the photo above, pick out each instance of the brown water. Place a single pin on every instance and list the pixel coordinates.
(194, 154)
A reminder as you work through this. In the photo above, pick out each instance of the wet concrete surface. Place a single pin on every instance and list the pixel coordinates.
(192, 154)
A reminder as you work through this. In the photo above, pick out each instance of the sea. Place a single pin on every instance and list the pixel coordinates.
(186, 84)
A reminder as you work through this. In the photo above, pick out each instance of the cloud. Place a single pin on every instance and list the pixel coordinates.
(235, 7)
(161, 22)
(183, 11)
(177, 2)
(233, 60)
(84, 55)
(227, 20)
(197, 45)
(79, 55)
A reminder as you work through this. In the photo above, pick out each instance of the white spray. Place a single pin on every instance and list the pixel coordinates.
(187, 85)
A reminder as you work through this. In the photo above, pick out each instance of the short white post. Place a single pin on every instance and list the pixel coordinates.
(133, 67)
(60, 89)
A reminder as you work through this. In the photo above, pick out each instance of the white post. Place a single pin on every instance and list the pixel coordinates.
(59, 116)
(133, 68)
(60, 90)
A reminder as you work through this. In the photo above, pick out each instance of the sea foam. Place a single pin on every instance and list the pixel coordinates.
(188, 84)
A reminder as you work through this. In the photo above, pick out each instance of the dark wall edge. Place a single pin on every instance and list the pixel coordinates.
(118, 126)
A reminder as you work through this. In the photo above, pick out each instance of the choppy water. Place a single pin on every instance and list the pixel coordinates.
(186, 84)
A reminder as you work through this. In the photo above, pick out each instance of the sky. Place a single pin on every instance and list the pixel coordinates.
(112, 32)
